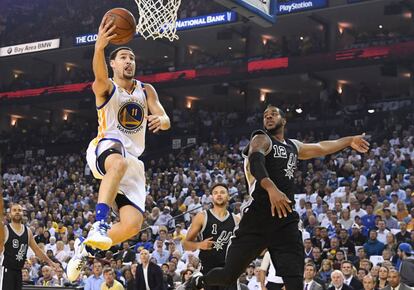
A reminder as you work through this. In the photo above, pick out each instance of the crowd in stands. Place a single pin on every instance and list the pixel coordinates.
(357, 210)
(24, 21)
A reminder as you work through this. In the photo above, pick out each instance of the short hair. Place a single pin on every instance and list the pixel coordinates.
(370, 277)
(394, 271)
(281, 112)
(217, 185)
(347, 262)
(108, 269)
(337, 272)
(114, 53)
(311, 265)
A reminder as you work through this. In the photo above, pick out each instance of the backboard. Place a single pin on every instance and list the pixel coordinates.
(262, 12)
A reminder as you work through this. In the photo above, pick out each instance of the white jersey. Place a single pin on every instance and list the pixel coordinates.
(123, 118)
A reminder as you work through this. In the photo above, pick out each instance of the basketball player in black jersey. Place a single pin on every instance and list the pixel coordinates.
(13, 251)
(268, 220)
(214, 228)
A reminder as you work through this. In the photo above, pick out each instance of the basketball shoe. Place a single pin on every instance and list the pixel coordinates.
(98, 236)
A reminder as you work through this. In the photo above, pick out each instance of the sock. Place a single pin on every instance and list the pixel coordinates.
(102, 210)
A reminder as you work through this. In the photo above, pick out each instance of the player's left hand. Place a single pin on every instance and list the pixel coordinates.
(55, 266)
(360, 144)
(154, 123)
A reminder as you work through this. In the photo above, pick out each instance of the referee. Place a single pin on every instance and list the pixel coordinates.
(15, 239)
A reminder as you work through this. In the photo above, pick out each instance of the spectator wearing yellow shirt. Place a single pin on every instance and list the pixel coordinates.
(110, 283)
(61, 230)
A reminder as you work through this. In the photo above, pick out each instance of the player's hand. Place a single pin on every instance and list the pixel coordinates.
(154, 123)
(278, 200)
(207, 244)
(360, 144)
(105, 33)
(55, 266)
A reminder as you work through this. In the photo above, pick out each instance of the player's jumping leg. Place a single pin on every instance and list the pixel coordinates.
(130, 224)
(115, 167)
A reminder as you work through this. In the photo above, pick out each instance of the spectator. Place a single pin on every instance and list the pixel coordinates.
(394, 281)
(382, 280)
(254, 282)
(373, 246)
(337, 279)
(382, 232)
(309, 276)
(357, 238)
(390, 221)
(391, 243)
(26, 280)
(61, 278)
(403, 236)
(349, 279)
(406, 254)
(368, 220)
(125, 254)
(160, 255)
(148, 274)
(368, 282)
(325, 271)
(47, 278)
(109, 280)
(129, 279)
(144, 243)
(95, 281)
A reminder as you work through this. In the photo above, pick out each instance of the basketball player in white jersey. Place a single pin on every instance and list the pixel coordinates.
(125, 107)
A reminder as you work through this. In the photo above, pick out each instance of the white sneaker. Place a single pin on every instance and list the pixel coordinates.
(98, 237)
(77, 262)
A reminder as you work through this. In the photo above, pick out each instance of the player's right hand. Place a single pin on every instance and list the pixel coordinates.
(206, 244)
(279, 201)
(105, 33)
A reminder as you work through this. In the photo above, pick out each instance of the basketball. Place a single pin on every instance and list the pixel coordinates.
(125, 25)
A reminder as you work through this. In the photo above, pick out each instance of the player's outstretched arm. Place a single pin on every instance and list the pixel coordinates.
(39, 253)
(278, 200)
(158, 120)
(102, 85)
(313, 150)
(189, 243)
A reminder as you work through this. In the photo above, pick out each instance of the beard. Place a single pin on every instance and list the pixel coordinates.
(16, 219)
(273, 131)
(219, 203)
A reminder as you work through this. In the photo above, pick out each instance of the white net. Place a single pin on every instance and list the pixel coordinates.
(157, 18)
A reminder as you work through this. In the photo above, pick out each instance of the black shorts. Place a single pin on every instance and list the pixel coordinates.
(282, 237)
(10, 279)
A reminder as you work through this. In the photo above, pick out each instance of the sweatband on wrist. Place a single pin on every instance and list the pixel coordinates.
(257, 166)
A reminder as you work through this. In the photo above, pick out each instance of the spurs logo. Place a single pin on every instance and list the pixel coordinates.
(222, 240)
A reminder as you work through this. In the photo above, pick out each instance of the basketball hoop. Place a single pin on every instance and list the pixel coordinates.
(157, 18)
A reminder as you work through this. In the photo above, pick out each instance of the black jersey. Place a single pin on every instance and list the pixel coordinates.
(281, 163)
(15, 249)
(221, 230)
